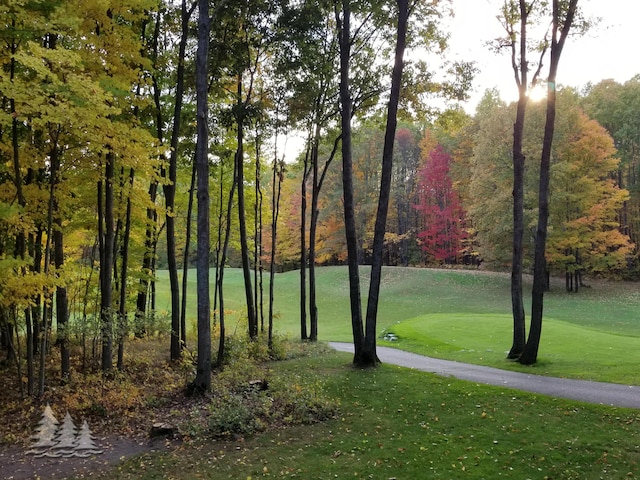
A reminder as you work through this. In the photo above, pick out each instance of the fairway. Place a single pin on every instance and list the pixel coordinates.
(461, 315)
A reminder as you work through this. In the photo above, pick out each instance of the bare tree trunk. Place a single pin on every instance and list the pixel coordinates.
(244, 247)
(303, 247)
(202, 381)
(530, 353)
(106, 232)
(222, 261)
(276, 189)
(369, 355)
(520, 70)
(346, 105)
(185, 259)
(122, 313)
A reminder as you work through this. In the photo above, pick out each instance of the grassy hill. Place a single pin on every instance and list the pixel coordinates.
(464, 315)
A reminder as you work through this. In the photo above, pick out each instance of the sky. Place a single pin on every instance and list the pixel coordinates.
(610, 50)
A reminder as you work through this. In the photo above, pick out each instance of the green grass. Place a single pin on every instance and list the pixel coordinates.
(566, 350)
(404, 424)
(465, 315)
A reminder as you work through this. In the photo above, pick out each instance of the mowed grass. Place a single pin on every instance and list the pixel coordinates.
(396, 423)
(464, 315)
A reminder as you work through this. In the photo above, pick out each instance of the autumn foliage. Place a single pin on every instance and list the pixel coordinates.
(441, 212)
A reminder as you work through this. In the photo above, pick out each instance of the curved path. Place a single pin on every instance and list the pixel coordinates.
(612, 394)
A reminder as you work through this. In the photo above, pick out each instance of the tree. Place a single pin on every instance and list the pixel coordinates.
(563, 17)
(516, 19)
(202, 381)
(441, 210)
(369, 355)
(616, 107)
(343, 25)
(585, 201)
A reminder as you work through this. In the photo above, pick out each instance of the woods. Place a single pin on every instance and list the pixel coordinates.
(117, 115)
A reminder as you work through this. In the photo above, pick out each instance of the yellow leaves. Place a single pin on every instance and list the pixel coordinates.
(18, 287)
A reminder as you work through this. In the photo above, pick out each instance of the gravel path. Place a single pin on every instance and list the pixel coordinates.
(586, 391)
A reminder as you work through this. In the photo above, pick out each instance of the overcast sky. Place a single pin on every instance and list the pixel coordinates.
(608, 51)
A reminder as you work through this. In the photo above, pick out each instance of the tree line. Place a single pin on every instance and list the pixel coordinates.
(142, 134)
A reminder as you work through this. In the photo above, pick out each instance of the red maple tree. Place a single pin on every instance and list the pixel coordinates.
(442, 213)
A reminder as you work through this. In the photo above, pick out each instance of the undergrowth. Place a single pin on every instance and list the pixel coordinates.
(246, 396)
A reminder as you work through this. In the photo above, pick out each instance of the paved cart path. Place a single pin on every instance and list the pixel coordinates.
(593, 392)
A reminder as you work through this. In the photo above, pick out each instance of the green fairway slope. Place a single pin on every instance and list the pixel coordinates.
(461, 315)
(566, 349)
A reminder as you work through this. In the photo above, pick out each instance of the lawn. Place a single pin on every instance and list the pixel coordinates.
(465, 315)
(396, 423)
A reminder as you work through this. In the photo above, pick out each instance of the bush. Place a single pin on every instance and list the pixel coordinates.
(232, 414)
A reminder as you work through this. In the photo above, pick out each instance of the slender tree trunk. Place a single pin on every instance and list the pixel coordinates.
(315, 190)
(147, 262)
(151, 229)
(106, 232)
(257, 246)
(521, 75)
(369, 355)
(276, 189)
(303, 247)
(202, 381)
(517, 304)
(344, 36)
(530, 353)
(244, 247)
(185, 259)
(122, 313)
(223, 260)
(170, 189)
(62, 303)
(317, 183)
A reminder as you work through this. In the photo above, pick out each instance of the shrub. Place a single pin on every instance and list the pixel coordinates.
(232, 414)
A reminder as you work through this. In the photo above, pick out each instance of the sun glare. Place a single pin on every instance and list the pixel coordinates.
(537, 93)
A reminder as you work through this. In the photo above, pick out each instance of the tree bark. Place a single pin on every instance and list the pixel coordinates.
(202, 381)
(244, 246)
(520, 70)
(303, 246)
(185, 259)
(275, 201)
(106, 228)
(369, 356)
(222, 261)
(122, 312)
(346, 102)
(530, 352)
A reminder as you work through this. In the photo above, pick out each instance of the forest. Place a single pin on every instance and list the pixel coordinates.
(125, 127)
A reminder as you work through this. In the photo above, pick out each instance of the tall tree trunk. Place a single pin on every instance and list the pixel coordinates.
(202, 381)
(170, 189)
(276, 189)
(369, 355)
(346, 103)
(520, 70)
(222, 260)
(151, 230)
(122, 312)
(317, 181)
(244, 246)
(315, 190)
(530, 352)
(106, 232)
(303, 245)
(185, 259)
(62, 303)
